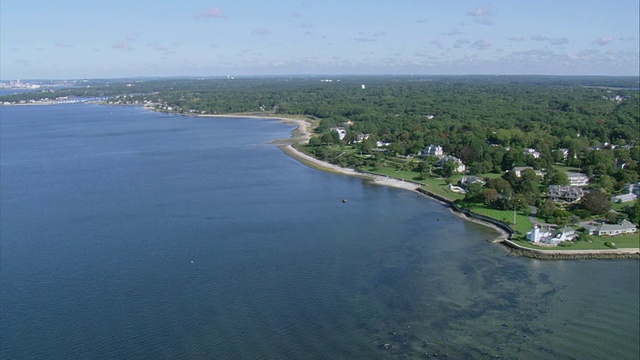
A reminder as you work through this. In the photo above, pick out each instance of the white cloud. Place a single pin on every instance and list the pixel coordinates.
(517, 38)
(261, 31)
(553, 41)
(212, 13)
(122, 45)
(482, 44)
(482, 15)
(606, 40)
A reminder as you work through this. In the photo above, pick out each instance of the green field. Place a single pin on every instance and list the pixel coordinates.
(592, 243)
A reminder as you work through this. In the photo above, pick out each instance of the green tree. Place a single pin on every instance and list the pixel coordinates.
(547, 208)
(596, 202)
(449, 168)
(490, 196)
(633, 212)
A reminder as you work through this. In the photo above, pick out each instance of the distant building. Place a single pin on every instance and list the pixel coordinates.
(565, 153)
(577, 179)
(362, 137)
(625, 227)
(342, 132)
(532, 152)
(631, 193)
(459, 169)
(624, 198)
(519, 169)
(433, 150)
(547, 237)
(468, 180)
(565, 193)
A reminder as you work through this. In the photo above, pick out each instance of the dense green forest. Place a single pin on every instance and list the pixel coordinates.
(589, 124)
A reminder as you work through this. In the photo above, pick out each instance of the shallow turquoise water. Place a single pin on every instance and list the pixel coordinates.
(130, 234)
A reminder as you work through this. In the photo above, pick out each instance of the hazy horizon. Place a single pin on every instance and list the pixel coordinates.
(72, 39)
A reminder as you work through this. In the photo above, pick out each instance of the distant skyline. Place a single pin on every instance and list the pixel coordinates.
(69, 39)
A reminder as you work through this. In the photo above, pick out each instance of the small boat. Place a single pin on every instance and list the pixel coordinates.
(344, 201)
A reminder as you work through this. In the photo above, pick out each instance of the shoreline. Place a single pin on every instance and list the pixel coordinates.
(301, 135)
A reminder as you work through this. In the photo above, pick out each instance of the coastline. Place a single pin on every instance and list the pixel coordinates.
(303, 132)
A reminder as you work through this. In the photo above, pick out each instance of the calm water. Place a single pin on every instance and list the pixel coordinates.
(130, 234)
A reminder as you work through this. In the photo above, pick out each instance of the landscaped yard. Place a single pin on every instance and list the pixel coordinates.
(522, 225)
(597, 243)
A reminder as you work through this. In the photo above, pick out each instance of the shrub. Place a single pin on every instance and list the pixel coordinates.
(582, 213)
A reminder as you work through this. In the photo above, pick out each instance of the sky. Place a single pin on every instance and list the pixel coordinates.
(69, 39)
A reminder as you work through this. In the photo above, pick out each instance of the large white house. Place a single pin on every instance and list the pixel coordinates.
(539, 236)
(433, 150)
(577, 179)
(460, 166)
(625, 227)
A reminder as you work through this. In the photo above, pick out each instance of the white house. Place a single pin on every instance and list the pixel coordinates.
(459, 169)
(519, 169)
(625, 227)
(577, 179)
(632, 188)
(342, 132)
(433, 150)
(361, 137)
(547, 237)
(465, 181)
(532, 152)
(624, 198)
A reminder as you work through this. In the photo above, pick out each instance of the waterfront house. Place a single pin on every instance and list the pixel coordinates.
(540, 236)
(625, 227)
(468, 180)
(460, 166)
(565, 193)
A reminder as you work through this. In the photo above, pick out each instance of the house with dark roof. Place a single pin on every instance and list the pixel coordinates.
(565, 193)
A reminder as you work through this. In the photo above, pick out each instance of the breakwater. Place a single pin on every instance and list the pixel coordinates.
(518, 250)
(502, 225)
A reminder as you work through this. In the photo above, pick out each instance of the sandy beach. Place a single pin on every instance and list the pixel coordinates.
(301, 135)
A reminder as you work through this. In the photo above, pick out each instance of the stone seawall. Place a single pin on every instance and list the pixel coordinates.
(471, 214)
(517, 250)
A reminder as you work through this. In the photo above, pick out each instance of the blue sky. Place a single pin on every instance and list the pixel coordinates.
(67, 39)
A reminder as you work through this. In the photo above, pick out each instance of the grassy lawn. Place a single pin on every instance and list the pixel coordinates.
(597, 243)
(522, 225)
(434, 185)
(620, 207)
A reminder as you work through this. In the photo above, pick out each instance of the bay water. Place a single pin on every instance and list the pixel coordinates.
(128, 234)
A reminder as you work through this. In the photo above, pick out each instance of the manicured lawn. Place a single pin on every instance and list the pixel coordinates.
(620, 207)
(597, 243)
(522, 225)
(435, 185)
